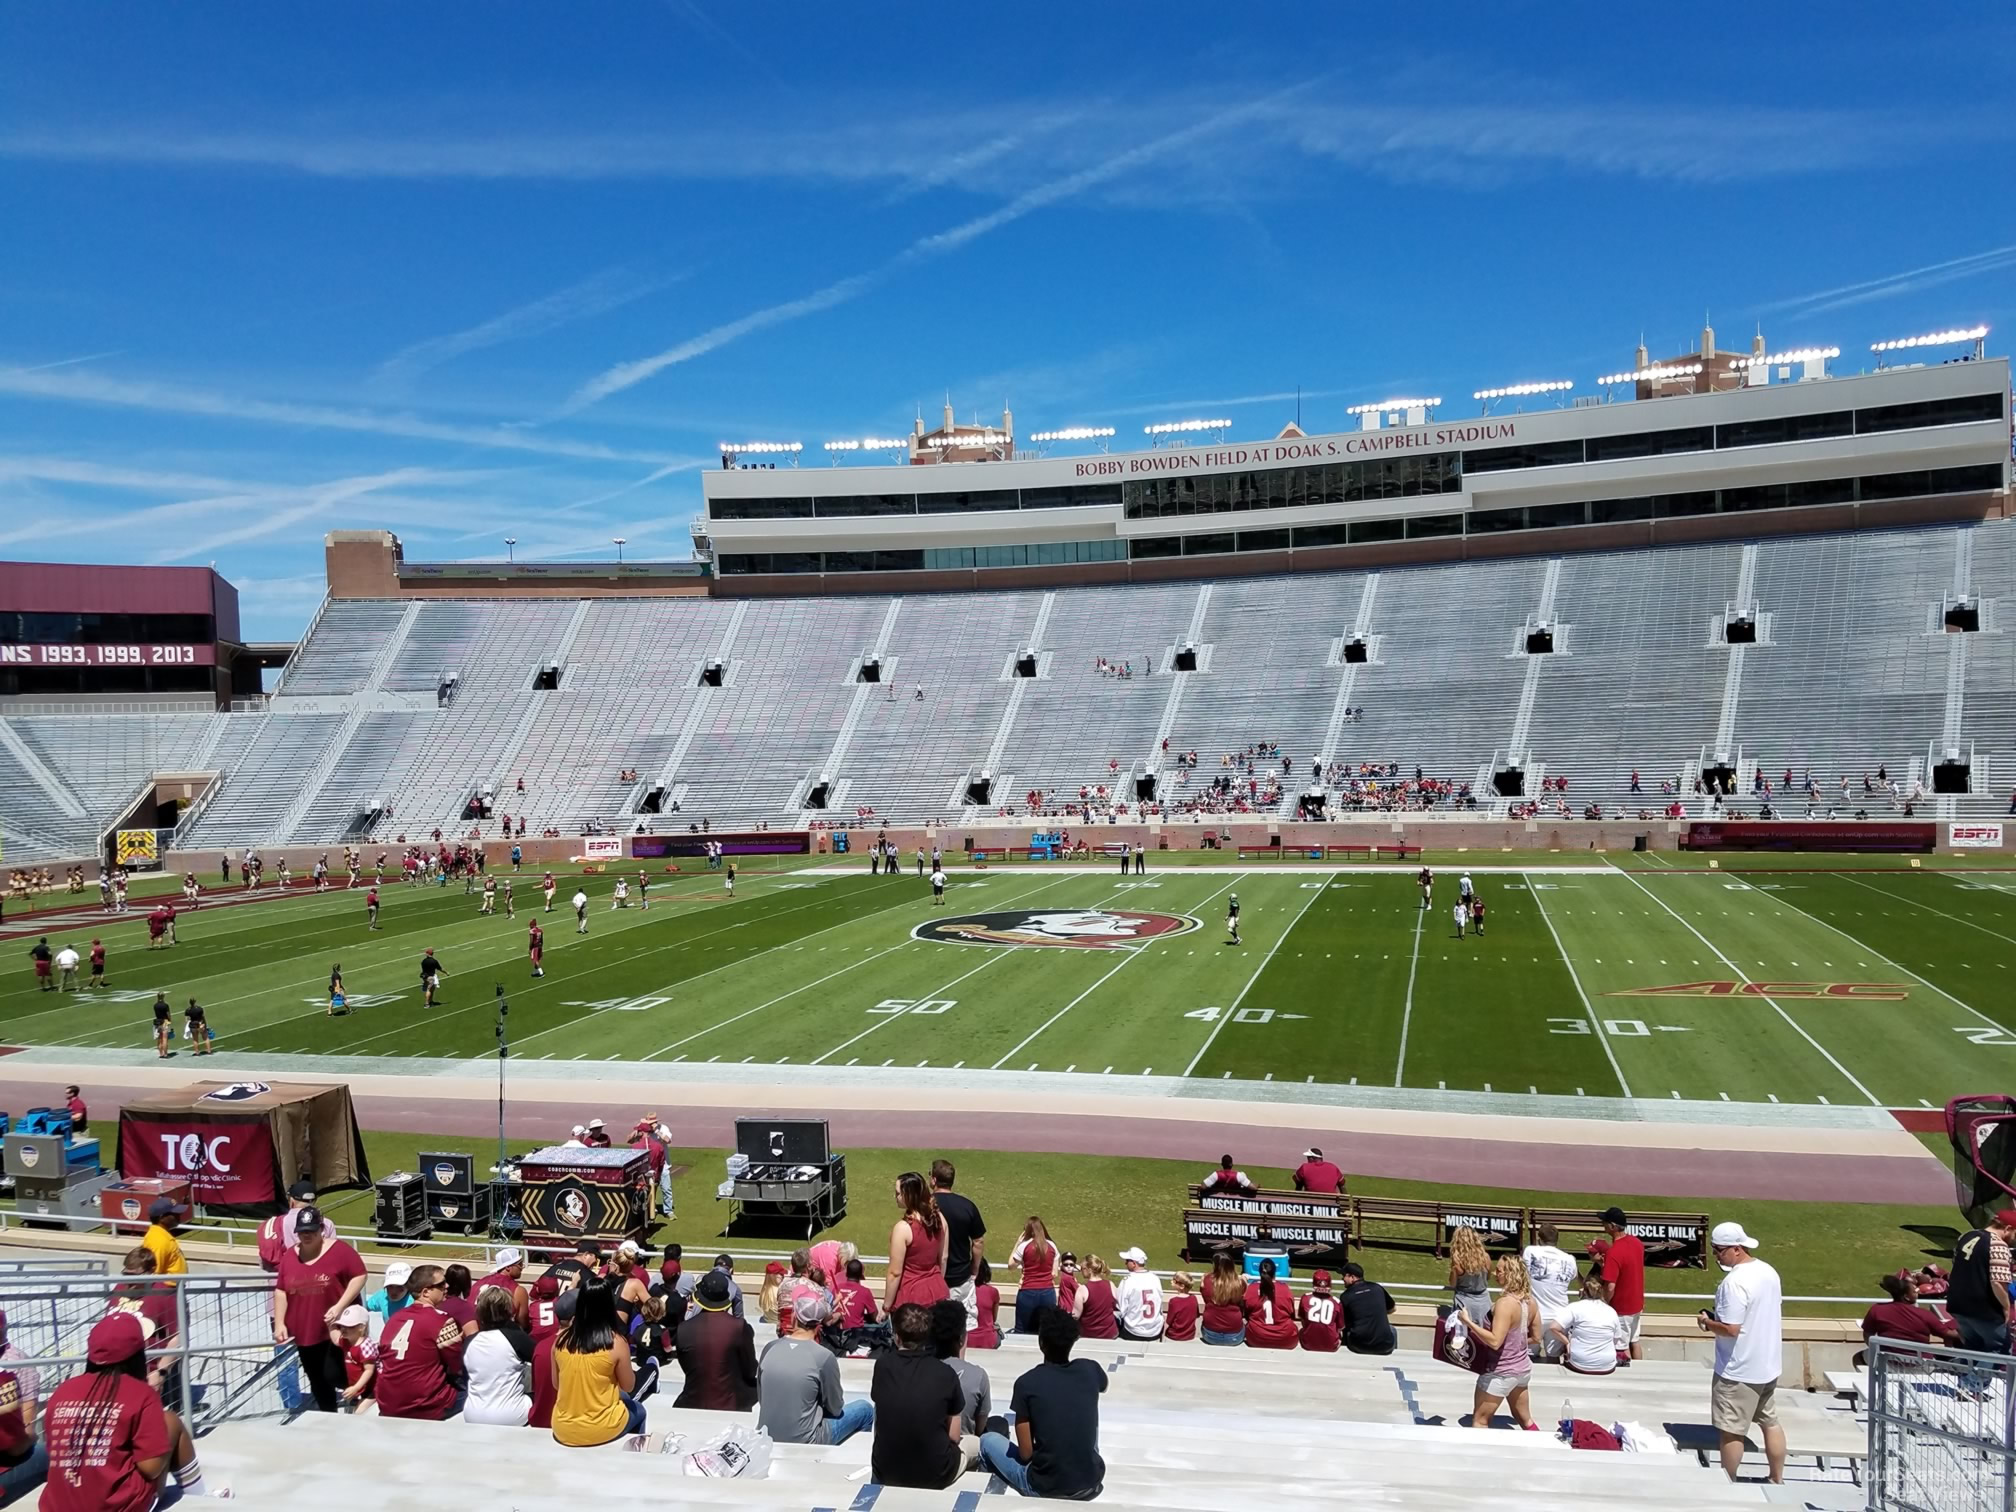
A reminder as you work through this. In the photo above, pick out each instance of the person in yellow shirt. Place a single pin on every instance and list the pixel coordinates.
(166, 1215)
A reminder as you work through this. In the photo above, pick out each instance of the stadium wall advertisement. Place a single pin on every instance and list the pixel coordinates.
(1974, 836)
(42, 654)
(1754, 835)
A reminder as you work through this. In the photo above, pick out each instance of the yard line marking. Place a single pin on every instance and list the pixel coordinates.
(1131, 955)
(842, 971)
(1772, 1095)
(1070, 1068)
(1595, 1023)
(1107, 1072)
(1797, 1028)
(1407, 1013)
(1900, 898)
(1233, 1007)
(883, 1023)
(1898, 966)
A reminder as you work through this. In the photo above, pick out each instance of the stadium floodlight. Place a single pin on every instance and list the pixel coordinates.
(1934, 338)
(1520, 390)
(1653, 374)
(1073, 433)
(754, 448)
(619, 542)
(511, 548)
(867, 444)
(1389, 406)
(1788, 359)
(968, 438)
(1181, 427)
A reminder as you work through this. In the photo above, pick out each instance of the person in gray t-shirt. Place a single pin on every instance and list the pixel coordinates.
(799, 1396)
(948, 1342)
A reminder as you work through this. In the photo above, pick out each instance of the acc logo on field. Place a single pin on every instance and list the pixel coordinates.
(1084, 929)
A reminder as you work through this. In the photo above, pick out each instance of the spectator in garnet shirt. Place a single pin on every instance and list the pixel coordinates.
(854, 1303)
(919, 1246)
(1094, 1306)
(420, 1354)
(1228, 1180)
(1316, 1174)
(316, 1281)
(1270, 1312)
(1036, 1257)
(1624, 1275)
(111, 1443)
(986, 1332)
(1320, 1313)
(1902, 1318)
(1225, 1302)
(1182, 1308)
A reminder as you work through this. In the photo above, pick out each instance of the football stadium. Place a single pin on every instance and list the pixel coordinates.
(1219, 957)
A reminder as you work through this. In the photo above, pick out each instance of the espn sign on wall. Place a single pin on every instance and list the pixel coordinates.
(229, 1160)
(1974, 836)
(602, 847)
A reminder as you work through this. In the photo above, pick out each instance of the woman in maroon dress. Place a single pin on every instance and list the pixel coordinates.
(916, 1248)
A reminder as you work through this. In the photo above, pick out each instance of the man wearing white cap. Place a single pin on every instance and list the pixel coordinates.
(1316, 1174)
(576, 1140)
(507, 1278)
(1138, 1298)
(1748, 1324)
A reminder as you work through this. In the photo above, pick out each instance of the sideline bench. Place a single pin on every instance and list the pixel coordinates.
(1670, 1238)
(1498, 1225)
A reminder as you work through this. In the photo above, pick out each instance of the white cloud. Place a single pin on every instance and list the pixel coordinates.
(1462, 130)
(165, 398)
(628, 374)
(596, 295)
(1890, 285)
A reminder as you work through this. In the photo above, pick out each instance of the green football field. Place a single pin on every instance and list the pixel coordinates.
(1787, 981)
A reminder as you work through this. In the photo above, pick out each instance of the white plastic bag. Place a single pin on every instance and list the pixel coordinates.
(1639, 1439)
(737, 1454)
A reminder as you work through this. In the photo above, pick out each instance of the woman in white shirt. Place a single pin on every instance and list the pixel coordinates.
(499, 1361)
(1588, 1330)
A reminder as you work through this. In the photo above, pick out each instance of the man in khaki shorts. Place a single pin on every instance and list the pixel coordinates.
(1748, 1324)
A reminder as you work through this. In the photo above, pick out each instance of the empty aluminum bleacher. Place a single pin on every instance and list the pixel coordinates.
(348, 638)
(262, 783)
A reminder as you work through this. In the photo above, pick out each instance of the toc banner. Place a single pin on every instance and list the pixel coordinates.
(1974, 836)
(602, 847)
(229, 1159)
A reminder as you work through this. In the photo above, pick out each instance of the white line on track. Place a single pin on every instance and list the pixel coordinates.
(1233, 1007)
(1716, 952)
(1595, 1023)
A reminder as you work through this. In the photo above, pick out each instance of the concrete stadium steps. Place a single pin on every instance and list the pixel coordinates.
(1243, 1432)
(1853, 673)
(1446, 688)
(1637, 647)
(343, 647)
(265, 779)
(1852, 678)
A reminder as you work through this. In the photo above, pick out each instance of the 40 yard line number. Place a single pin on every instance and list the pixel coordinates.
(1242, 1015)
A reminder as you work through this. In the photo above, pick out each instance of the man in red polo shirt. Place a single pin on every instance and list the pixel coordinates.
(315, 1281)
(1316, 1174)
(1624, 1277)
(420, 1355)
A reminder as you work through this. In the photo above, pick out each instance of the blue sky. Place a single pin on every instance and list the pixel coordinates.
(477, 271)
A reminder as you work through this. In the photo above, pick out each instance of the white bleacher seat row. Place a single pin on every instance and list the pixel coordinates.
(1853, 674)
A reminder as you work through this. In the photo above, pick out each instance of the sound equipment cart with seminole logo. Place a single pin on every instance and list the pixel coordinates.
(567, 1193)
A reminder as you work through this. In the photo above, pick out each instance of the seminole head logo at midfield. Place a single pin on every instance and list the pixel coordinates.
(1083, 929)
